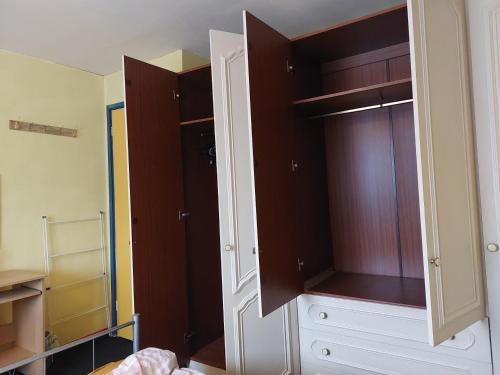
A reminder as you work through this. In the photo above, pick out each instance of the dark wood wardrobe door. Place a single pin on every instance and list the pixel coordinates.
(272, 117)
(156, 194)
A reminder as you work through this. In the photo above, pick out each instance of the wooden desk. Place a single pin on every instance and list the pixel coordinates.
(25, 336)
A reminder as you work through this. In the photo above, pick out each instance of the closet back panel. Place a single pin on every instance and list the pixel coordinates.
(195, 89)
(202, 228)
(363, 206)
(407, 191)
(156, 194)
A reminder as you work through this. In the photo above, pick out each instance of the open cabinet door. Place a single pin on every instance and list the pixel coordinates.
(156, 197)
(254, 346)
(271, 122)
(446, 167)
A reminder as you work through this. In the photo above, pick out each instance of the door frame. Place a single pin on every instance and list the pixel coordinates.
(111, 191)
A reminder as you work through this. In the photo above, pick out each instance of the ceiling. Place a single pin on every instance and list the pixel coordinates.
(93, 34)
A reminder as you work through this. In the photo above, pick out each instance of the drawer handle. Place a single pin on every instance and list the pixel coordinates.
(325, 352)
(323, 315)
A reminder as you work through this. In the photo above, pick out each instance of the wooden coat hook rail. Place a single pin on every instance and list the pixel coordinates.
(42, 129)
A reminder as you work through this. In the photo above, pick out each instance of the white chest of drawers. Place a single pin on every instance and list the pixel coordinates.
(342, 336)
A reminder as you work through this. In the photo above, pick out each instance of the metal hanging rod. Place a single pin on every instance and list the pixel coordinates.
(382, 105)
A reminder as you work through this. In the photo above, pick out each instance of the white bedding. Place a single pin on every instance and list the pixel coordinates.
(152, 361)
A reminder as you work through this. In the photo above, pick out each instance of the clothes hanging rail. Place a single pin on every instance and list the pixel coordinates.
(382, 105)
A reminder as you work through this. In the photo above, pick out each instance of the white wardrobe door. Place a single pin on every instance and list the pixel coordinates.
(484, 31)
(254, 346)
(446, 166)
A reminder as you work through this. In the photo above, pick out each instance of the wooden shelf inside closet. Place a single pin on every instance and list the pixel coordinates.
(24, 336)
(373, 95)
(393, 290)
(212, 354)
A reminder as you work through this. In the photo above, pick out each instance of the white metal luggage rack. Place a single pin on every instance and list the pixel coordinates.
(49, 256)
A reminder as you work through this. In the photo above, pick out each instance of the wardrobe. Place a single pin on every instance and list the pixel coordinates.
(174, 213)
(334, 227)
(348, 154)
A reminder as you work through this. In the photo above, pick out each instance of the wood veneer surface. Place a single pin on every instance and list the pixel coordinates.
(156, 194)
(370, 95)
(378, 30)
(375, 288)
(195, 88)
(407, 191)
(213, 354)
(202, 237)
(362, 193)
(272, 116)
(311, 189)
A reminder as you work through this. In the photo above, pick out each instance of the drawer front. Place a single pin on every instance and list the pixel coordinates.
(321, 352)
(333, 369)
(396, 325)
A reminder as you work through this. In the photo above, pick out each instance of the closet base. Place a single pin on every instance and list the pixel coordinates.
(375, 288)
(213, 354)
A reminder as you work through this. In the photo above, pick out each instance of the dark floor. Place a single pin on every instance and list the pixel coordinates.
(78, 360)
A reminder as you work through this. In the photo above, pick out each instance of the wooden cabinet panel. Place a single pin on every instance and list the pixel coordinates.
(362, 193)
(202, 240)
(405, 165)
(271, 119)
(156, 194)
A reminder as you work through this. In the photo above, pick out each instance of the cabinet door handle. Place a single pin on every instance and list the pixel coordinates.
(323, 315)
(326, 352)
(492, 247)
(229, 247)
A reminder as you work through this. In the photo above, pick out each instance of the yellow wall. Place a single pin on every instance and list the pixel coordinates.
(122, 222)
(61, 177)
(175, 61)
(64, 178)
(113, 83)
(191, 60)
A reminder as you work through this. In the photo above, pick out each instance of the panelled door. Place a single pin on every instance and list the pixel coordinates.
(484, 31)
(156, 197)
(271, 119)
(446, 166)
(254, 345)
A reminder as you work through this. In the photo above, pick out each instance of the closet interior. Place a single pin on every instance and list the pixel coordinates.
(174, 208)
(361, 164)
(352, 143)
(206, 326)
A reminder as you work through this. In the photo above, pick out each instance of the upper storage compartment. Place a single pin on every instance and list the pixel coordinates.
(360, 63)
(195, 96)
